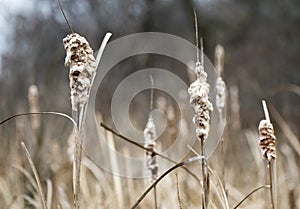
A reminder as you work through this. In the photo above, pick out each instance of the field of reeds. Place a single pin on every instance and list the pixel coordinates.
(49, 159)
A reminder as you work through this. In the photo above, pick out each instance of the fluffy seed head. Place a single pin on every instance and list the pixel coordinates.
(80, 59)
(150, 137)
(221, 94)
(267, 140)
(199, 98)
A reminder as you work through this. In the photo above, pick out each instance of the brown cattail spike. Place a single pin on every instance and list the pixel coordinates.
(150, 137)
(80, 59)
(199, 94)
(267, 140)
(199, 98)
(220, 84)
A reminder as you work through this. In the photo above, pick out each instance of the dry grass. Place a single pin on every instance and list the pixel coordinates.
(98, 187)
(236, 179)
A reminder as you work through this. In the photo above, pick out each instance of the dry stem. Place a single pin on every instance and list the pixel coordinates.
(271, 166)
(36, 176)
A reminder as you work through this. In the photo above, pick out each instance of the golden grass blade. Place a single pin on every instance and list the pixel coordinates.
(215, 179)
(251, 193)
(115, 170)
(178, 192)
(49, 193)
(40, 189)
(27, 175)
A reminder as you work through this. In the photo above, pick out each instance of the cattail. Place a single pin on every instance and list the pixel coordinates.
(82, 63)
(150, 137)
(220, 84)
(267, 143)
(199, 95)
(33, 99)
(80, 59)
(199, 98)
(267, 140)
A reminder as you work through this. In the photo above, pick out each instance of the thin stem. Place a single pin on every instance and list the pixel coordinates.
(190, 160)
(224, 163)
(205, 175)
(178, 193)
(79, 116)
(102, 47)
(266, 112)
(273, 204)
(248, 195)
(151, 95)
(202, 52)
(155, 198)
(38, 113)
(63, 13)
(196, 32)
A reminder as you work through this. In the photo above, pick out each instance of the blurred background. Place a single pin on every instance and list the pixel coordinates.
(262, 46)
(261, 42)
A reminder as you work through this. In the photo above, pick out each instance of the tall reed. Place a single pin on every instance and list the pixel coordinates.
(83, 66)
(199, 99)
(267, 142)
(150, 144)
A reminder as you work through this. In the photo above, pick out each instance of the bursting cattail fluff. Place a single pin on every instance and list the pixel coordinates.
(150, 137)
(221, 95)
(220, 84)
(267, 140)
(80, 59)
(199, 98)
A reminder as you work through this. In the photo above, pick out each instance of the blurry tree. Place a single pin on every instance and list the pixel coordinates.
(261, 40)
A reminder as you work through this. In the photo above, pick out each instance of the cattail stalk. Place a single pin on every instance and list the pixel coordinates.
(267, 142)
(83, 66)
(152, 165)
(220, 84)
(220, 96)
(199, 99)
(150, 144)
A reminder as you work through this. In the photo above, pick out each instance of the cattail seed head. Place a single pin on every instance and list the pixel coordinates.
(219, 59)
(221, 94)
(150, 132)
(267, 140)
(220, 84)
(199, 98)
(80, 59)
(150, 137)
(33, 99)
